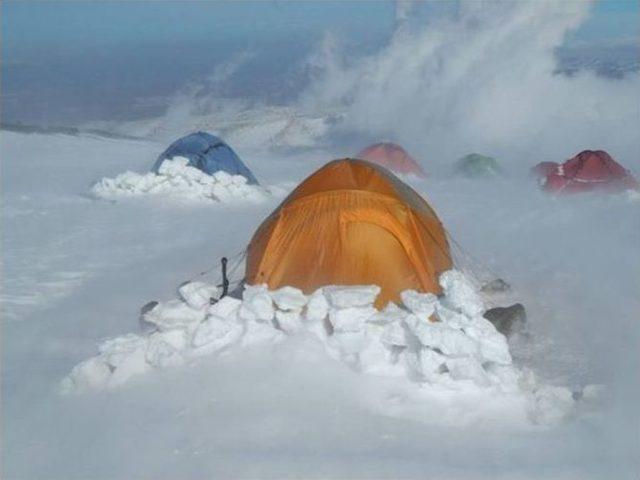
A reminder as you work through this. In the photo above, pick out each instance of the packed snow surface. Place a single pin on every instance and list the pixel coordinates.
(176, 178)
(284, 402)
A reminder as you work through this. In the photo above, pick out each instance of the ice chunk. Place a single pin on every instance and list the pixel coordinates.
(289, 298)
(130, 365)
(391, 313)
(174, 314)
(198, 294)
(431, 363)
(449, 341)
(350, 319)
(116, 350)
(421, 304)
(460, 293)
(178, 339)
(451, 317)
(226, 307)
(289, 321)
(162, 353)
(317, 307)
(261, 333)
(256, 304)
(177, 178)
(349, 342)
(594, 392)
(92, 373)
(394, 334)
(493, 345)
(505, 376)
(216, 333)
(467, 368)
(378, 359)
(351, 296)
(550, 405)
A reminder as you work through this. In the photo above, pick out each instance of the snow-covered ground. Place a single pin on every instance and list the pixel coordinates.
(76, 271)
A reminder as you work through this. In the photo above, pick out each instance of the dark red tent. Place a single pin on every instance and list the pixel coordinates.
(543, 169)
(590, 170)
(393, 157)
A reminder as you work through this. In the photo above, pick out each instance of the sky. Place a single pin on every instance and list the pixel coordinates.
(58, 56)
(71, 27)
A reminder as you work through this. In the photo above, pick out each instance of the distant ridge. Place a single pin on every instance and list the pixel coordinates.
(24, 128)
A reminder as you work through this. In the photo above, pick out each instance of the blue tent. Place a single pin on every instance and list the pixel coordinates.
(207, 153)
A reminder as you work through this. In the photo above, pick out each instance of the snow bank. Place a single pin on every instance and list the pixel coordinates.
(430, 341)
(175, 178)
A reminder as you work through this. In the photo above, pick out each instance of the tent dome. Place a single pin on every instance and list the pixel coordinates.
(351, 223)
(393, 157)
(208, 153)
(587, 171)
(543, 169)
(475, 165)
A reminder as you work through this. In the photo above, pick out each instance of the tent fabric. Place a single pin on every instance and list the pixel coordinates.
(351, 223)
(543, 169)
(208, 153)
(475, 165)
(587, 171)
(393, 157)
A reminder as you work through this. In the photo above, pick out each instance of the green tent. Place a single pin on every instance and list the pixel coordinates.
(475, 165)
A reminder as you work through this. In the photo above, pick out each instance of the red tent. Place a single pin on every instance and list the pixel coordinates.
(590, 170)
(543, 169)
(393, 157)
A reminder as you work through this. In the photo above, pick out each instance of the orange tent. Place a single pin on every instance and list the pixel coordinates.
(392, 156)
(351, 223)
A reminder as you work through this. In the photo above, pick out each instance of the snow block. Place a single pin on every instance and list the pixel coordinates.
(449, 341)
(317, 307)
(391, 313)
(198, 294)
(421, 304)
(289, 321)
(460, 293)
(174, 314)
(289, 298)
(176, 178)
(467, 368)
(116, 350)
(256, 304)
(394, 334)
(550, 405)
(131, 365)
(226, 307)
(161, 353)
(348, 296)
(216, 333)
(90, 374)
(350, 319)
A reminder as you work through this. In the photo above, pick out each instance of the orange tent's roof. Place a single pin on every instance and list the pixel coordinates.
(351, 223)
(393, 157)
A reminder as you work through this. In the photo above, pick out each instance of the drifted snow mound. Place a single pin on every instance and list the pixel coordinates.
(176, 178)
(432, 342)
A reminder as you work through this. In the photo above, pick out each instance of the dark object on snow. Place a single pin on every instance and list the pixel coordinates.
(225, 283)
(225, 280)
(496, 286)
(146, 308)
(507, 320)
(237, 291)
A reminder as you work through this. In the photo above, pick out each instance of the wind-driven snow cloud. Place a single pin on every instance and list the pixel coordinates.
(479, 77)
